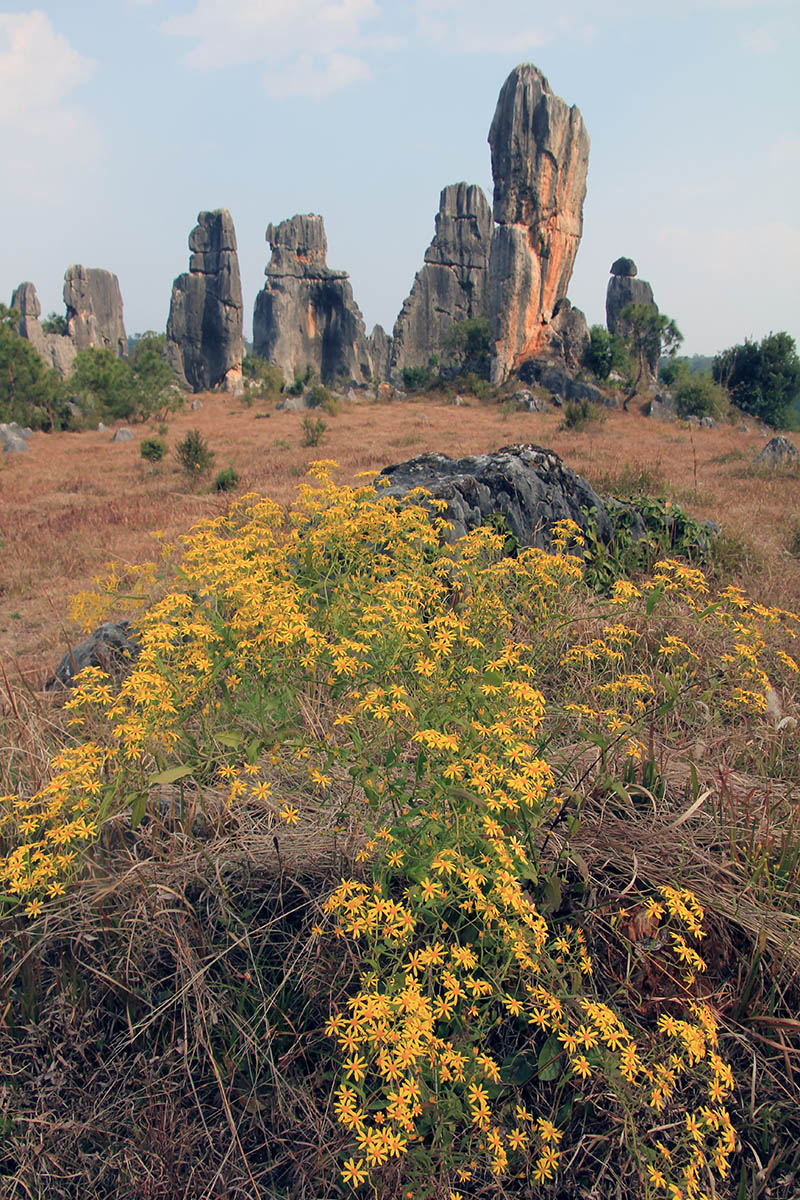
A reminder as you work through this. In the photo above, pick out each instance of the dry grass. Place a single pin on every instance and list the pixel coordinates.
(74, 501)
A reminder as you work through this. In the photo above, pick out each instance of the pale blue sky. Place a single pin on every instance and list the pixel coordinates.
(121, 119)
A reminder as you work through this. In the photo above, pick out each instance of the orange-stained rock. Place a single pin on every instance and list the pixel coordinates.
(540, 156)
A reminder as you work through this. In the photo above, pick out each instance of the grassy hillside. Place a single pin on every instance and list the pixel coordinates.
(395, 868)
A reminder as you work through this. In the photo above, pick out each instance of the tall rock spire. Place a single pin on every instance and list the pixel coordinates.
(540, 156)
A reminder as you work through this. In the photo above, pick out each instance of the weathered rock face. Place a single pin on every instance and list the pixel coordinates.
(380, 350)
(559, 382)
(453, 284)
(57, 350)
(778, 452)
(565, 337)
(530, 486)
(540, 156)
(305, 315)
(204, 332)
(112, 647)
(94, 309)
(624, 288)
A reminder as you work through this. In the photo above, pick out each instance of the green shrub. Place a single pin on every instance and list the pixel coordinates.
(321, 397)
(606, 353)
(696, 394)
(55, 323)
(762, 378)
(313, 429)
(264, 378)
(30, 393)
(580, 413)
(227, 480)
(417, 379)
(300, 382)
(194, 454)
(153, 449)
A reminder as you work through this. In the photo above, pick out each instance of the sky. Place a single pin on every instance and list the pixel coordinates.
(121, 119)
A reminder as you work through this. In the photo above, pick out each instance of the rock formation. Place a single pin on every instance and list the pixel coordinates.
(624, 288)
(453, 283)
(305, 315)
(13, 438)
(94, 309)
(112, 647)
(204, 331)
(565, 337)
(380, 353)
(531, 487)
(778, 452)
(57, 350)
(540, 156)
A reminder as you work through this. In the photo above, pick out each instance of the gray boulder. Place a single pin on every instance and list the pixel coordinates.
(540, 157)
(663, 408)
(94, 310)
(565, 337)
(453, 283)
(530, 403)
(13, 439)
(205, 342)
(779, 452)
(528, 485)
(305, 315)
(558, 380)
(625, 267)
(56, 350)
(123, 435)
(112, 647)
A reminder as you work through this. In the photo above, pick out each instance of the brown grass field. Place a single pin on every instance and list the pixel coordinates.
(75, 502)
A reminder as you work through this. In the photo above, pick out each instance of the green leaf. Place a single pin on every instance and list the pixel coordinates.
(137, 809)
(172, 775)
(552, 894)
(519, 1068)
(549, 1061)
(653, 599)
(230, 738)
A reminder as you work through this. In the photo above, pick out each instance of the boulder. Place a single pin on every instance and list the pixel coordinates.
(123, 435)
(380, 351)
(558, 380)
(540, 156)
(453, 284)
(56, 350)
(205, 343)
(624, 288)
(530, 403)
(13, 439)
(94, 310)
(779, 452)
(305, 315)
(565, 337)
(663, 408)
(624, 266)
(528, 485)
(112, 647)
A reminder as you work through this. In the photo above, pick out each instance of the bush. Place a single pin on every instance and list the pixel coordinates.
(264, 379)
(468, 345)
(607, 353)
(580, 413)
(762, 378)
(55, 323)
(153, 449)
(696, 394)
(313, 429)
(227, 480)
(417, 379)
(320, 397)
(300, 382)
(126, 389)
(194, 454)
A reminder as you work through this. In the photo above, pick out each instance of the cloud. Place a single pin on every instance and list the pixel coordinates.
(313, 47)
(46, 137)
(760, 41)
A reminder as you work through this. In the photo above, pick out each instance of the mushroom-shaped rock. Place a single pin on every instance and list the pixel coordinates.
(623, 289)
(205, 342)
(540, 157)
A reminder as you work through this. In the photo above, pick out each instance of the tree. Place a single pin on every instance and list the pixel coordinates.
(649, 336)
(606, 353)
(30, 391)
(763, 378)
(123, 389)
(469, 345)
